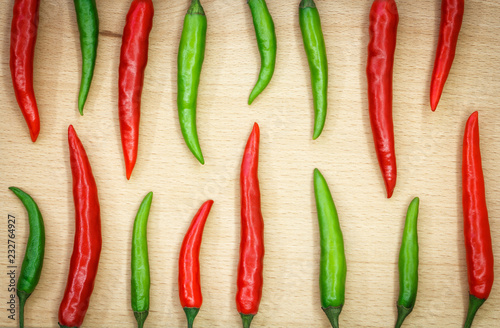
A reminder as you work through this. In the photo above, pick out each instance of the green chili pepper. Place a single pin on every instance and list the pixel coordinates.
(33, 258)
(333, 268)
(408, 264)
(189, 63)
(266, 40)
(88, 24)
(314, 44)
(140, 263)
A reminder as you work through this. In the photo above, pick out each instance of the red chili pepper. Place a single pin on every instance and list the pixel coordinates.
(383, 29)
(452, 13)
(87, 243)
(250, 267)
(478, 246)
(133, 61)
(189, 264)
(22, 50)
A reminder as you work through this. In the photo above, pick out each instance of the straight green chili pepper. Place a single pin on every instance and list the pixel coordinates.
(333, 268)
(140, 263)
(266, 40)
(408, 264)
(314, 44)
(189, 63)
(35, 249)
(88, 25)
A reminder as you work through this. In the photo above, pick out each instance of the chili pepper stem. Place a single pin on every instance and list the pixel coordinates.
(333, 312)
(474, 305)
(307, 4)
(247, 319)
(23, 296)
(195, 8)
(403, 312)
(141, 317)
(191, 314)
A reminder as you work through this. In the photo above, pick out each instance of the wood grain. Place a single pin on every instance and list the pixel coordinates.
(428, 150)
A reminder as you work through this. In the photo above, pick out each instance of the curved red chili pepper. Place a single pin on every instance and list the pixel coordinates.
(22, 50)
(383, 29)
(452, 13)
(476, 225)
(87, 243)
(133, 61)
(250, 267)
(189, 263)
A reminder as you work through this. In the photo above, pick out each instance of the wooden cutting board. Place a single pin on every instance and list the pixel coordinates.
(428, 150)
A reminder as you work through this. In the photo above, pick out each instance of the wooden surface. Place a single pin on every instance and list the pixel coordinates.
(428, 150)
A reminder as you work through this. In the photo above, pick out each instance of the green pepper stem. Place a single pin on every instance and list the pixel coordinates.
(190, 315)
(333, 312)
(141, 317)
(403, 312)
(247, 319)
(307, 4)
(195, 8)
(23, 296)
(474, 305)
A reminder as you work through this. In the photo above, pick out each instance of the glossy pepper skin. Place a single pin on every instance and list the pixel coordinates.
(87, 243)
(35, 250)
(314, 44)
(22, 50)
(383, 29)
(189, 264)
(452, 13)
(408, 264)
(250, 267)
(140, 279)
(266, 41)
(88, 25)
(478, 248)
(333, 267)
(133, 61)
(189, 64)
